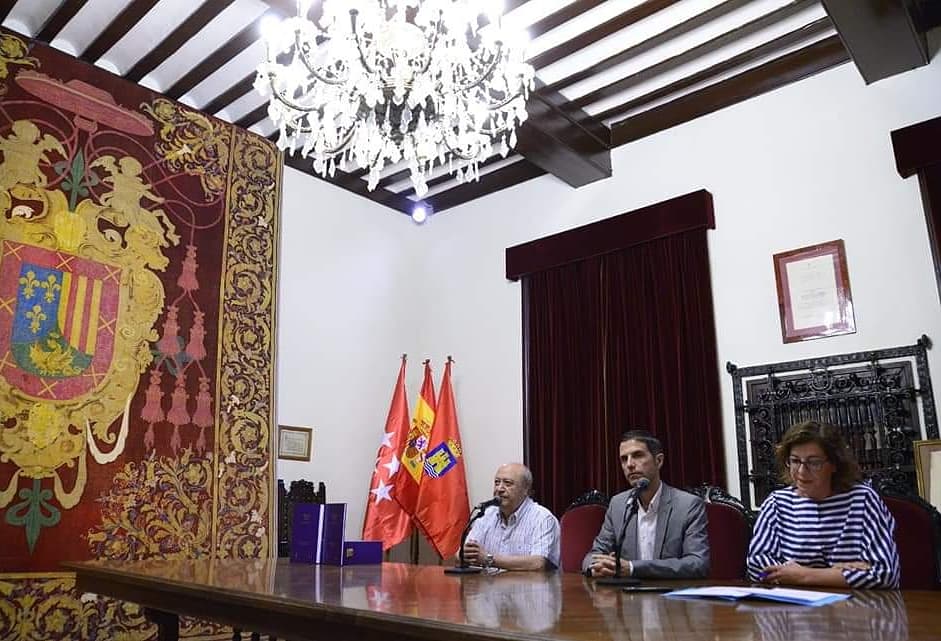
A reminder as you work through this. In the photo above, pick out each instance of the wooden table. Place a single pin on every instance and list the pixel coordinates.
(398, 601)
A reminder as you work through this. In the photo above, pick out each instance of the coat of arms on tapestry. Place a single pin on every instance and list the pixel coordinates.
(137, 294)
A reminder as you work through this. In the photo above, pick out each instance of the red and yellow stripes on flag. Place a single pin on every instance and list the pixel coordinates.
(385, 520)
(79, 307)
(416, 445)
(442, 506)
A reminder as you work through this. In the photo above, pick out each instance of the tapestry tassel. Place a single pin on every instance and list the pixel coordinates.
(153, 412)
(196, 348)
(187, 280)
(202, 417)
(177, 414)
(169, 344)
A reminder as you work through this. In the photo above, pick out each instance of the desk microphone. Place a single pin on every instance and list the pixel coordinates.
(629, 510)
(462, 567)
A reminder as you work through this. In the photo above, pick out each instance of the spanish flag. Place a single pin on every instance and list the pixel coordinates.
(443, 508)
(416, 445)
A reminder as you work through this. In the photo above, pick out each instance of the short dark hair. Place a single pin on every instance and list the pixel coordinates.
(653, 444)
(830, 440)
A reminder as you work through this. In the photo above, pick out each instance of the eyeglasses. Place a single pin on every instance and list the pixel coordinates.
(813, 465)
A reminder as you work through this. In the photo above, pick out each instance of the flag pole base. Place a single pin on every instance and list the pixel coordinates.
(457, 569)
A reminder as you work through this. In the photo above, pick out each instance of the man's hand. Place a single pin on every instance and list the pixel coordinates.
(603, 565)
(474, 554)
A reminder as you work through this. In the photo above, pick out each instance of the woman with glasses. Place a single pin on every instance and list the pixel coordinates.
(826, 528)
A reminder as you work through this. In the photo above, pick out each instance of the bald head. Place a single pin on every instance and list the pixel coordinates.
(511, 484)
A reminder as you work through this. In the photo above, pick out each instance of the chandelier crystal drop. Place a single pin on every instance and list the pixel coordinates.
(376, 82)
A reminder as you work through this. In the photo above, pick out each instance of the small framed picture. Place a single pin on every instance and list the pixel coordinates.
(294, 442)
(814, 298)
(928, 470)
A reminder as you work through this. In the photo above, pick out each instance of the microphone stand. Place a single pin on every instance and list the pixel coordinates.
(618, 580)
(463, 567)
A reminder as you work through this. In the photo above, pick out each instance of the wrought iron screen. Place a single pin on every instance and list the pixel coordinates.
(874, 397)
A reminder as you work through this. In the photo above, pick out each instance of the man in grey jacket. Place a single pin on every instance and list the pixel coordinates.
(664, 537)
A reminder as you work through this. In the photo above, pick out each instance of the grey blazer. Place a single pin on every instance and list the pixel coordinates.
(681, 545)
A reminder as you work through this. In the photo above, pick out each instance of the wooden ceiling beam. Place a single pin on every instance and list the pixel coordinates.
(689, 55)
(5, 8)
(117, 29)
(235, 45)
(880, 36)
(493, 182)
(561, 16)
(779, 72)
(59, 18)
(253, 117)
(443, 178)
(231, 94)
(605, 29)
(654, 41)
(195, 23)
(743, 59)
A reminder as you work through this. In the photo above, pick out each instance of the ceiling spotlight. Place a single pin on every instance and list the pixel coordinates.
(419, 214)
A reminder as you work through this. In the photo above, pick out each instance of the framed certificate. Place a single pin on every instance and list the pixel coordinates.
(814, 297)
(928, 470)
(294, 442)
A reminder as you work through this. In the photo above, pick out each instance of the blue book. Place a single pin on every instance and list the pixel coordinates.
(781, 595)
(317, 533)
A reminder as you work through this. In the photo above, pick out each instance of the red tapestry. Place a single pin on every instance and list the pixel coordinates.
(137, 298)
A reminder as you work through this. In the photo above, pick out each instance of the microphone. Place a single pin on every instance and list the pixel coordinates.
(629, 509)
(488, 503)
(462, 567)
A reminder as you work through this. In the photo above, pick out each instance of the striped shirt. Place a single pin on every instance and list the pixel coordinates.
(531, 530)
(852, 526)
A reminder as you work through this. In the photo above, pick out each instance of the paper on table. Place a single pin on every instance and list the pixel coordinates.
(784, 595)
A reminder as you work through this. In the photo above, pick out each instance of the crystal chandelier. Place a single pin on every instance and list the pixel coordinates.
(376, 82)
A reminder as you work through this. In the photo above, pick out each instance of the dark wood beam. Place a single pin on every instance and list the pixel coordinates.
(509, 5)
(5, 7)
(778, 45)
(703, 49)
(561, 16)
(494, 181)
(782, 71)
(917, 146)
(254, 116)
(358, 187)
(177, 38)
(59, 18)
(880, 36)
(443, 178)
(235, 45)
(565, 142)
(231, 94)
(117, 28)
(675, 31)
(605, 29)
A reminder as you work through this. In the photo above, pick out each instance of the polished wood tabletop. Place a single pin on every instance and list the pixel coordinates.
(319, 603)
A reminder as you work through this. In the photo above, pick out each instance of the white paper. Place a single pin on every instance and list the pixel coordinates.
(812, 290)
(934, 479)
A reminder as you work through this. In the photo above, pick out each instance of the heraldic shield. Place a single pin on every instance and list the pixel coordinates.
(78, 303)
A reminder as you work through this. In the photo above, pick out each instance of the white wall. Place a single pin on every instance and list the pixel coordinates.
(808, 163)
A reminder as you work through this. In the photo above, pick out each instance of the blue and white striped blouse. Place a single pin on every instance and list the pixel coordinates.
(853, 526)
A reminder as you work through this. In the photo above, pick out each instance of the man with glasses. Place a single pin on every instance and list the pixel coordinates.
(826, 528)
(517, 534)
(661, 531)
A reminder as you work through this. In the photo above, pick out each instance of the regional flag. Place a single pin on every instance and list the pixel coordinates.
(443, 508)
(385, 520)
(416, 444)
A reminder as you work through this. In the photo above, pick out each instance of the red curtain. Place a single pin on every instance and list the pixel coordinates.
(620, 341)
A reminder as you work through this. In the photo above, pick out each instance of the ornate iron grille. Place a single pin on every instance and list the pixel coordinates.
(872, 396)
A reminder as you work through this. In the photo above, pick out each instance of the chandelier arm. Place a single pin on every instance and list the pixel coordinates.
(359, 44)
(284, 100)
(486, 73)
(311, 68)
(347, 137)
(458, 152)
(503, 103)
(434, 43)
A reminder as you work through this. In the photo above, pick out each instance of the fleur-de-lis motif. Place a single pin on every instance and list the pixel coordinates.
(36, 317)
(29, 283)
(51, 287)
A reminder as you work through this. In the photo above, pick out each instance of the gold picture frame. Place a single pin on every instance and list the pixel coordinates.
(294, 443)
(928, 470)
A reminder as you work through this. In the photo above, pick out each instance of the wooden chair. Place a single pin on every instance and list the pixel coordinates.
(917, 536)
(729, 532)
(579, 525)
